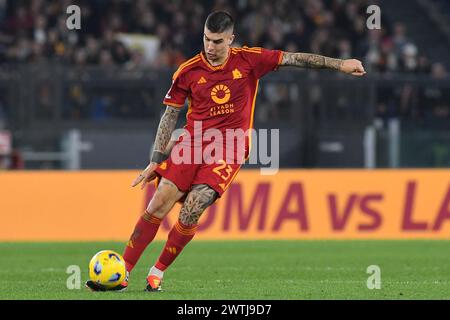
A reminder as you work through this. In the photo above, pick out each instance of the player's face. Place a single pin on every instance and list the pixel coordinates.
(216, 45)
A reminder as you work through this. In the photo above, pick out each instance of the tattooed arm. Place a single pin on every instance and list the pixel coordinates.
(315, 61)
(165, 129)
(160, 149)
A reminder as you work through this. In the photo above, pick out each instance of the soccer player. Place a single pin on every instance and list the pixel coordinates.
(220, 84)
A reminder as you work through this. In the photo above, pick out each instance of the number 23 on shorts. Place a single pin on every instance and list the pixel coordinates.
(223, 170)
(226, 172)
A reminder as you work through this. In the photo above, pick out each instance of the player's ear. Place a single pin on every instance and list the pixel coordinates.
(231, 39)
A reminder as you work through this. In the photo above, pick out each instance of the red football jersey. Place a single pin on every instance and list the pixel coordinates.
(222, 97)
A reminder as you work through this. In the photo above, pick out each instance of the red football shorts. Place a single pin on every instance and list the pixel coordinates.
(217, 175)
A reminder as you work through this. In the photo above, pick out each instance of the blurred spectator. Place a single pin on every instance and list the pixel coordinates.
(45, 106)
(409, 59)
(3, 119)
(399, 38)
(435, 99)
(101, 107)
(12, 161)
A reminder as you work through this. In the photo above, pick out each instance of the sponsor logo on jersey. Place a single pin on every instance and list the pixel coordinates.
(220, 94)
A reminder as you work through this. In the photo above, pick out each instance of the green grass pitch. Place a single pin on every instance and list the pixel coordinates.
(241, 270)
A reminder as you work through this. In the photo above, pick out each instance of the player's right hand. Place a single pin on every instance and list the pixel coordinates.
(353, 67)
(146, 176)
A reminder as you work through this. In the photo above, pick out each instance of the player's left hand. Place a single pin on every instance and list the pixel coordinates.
(353, 67)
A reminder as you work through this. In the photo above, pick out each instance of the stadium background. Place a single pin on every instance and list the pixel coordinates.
(361, 158)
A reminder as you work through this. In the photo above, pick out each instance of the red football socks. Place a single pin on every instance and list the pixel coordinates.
(144, 232)
(178, 238)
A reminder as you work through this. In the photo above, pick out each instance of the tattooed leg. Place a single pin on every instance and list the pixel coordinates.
(148, 224)
(198, 199)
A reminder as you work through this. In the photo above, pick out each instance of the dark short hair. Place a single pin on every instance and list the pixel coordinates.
(219, 21)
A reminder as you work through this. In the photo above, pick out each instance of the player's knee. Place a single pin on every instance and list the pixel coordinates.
(158, 205)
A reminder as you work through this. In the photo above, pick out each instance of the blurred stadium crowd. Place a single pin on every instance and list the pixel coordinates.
(35, 31)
